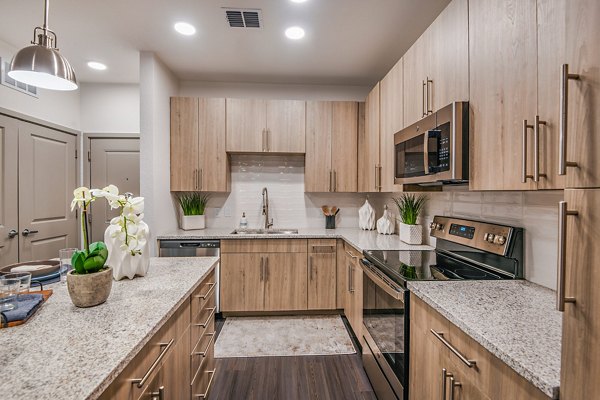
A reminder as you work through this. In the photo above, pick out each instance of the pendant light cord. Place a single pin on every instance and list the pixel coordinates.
(46, 11)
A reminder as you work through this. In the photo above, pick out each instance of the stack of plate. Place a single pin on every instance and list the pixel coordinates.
(41, 270)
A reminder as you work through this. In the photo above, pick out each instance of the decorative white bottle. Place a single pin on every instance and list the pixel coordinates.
(385, 224)
(366, 217)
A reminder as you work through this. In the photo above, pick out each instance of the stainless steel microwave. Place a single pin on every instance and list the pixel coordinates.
(434, 150)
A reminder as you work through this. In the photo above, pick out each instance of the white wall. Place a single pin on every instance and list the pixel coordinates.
(60, 108)
(273, 91)
(157, 85)
(110, 108)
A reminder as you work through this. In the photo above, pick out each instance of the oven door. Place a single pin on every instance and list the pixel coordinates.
(413, 148)
(385, 320)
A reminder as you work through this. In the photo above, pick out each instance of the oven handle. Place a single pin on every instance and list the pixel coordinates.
(379, 282)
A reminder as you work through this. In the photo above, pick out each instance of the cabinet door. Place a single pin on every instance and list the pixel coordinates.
(368, 145)
(356, 287)
(176, 369)
(9, 206)
(391, 122)
(425, 373)
(246, 125)
(450, 56)
(184, 144)
(551, 55)
(317, 170)
(581, 325)
(322, 273)
(416, 65)
(242, 282)
(47, 178)
(213, 165)
(503, 91)
(344, 148)
(286, 126)
(583, 58)
(285, 281)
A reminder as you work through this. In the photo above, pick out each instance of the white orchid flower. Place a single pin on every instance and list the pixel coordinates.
(111, 194)
(134, 206)
(81, 196)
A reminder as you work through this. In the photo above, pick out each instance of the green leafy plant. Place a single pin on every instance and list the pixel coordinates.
(93, 257)
(409, 207)
(193, 203)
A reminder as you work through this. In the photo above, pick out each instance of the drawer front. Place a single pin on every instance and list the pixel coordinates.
(203, 376)
(202, 295)
(353, 252)
(319, 246)
(203, 345)
(264, 246)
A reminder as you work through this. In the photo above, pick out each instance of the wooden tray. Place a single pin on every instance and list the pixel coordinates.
(45, 293)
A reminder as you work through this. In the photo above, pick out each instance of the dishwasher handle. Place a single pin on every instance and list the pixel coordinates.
(185, 244)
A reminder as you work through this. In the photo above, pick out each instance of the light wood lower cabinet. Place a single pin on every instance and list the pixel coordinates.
(434, 368)
(178, 361)
(353, 303)
(285, 280)
(322, 272)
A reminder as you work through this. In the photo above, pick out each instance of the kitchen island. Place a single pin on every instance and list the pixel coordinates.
(65, 352)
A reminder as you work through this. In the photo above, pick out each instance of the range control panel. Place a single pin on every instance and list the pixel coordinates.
(493, 238)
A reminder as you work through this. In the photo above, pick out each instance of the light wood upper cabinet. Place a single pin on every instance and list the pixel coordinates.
(391, 122)
(368, 146)
(417, 70)
(198, 158)
(503, 91)
(262, 126)
(583, 59)
(322, 265)
(581, 325)
(331, 146)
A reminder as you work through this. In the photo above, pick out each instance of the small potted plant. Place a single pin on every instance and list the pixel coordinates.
(90, 281)
(409, 208)
(193, 206)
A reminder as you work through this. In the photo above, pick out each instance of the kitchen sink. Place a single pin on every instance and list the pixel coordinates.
(265, 232)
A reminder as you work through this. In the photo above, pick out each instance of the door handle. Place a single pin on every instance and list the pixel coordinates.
(536, 146)
(12, 233)
(564, 111)
(27, 232)
(563, 212)
(524, 175)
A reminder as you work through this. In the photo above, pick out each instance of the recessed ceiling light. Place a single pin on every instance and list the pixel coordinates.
(96, 65)
(185, 29)
(294, 32)
(298, 1)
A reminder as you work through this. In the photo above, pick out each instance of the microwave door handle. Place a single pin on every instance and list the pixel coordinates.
(426, 153)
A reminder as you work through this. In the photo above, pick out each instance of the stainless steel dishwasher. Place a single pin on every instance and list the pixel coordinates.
(193, 248)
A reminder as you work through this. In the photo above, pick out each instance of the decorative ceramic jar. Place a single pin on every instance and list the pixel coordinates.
(126, 264)
(366, 217)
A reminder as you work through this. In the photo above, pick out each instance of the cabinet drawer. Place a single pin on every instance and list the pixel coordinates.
(202, 295)
(317, 246)
(353, 252)
(203, 342)
(203, 376)
(264, 246)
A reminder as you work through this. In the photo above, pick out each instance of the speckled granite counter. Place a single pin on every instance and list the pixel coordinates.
(65, 352)
(514, 320)
(361, 240)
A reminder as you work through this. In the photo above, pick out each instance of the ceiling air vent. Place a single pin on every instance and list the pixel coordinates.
(243, 17)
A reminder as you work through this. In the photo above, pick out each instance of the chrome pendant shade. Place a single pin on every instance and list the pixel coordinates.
(41, 64)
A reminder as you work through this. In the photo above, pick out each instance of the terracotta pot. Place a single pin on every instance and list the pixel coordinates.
(89, 290)
(193, 222)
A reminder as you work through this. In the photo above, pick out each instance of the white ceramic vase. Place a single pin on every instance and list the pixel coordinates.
(366, 217)
(385, 224)
(125, 264)
(193, 222)
(411, 234)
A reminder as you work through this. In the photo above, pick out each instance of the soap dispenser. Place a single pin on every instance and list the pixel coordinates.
(243, 221)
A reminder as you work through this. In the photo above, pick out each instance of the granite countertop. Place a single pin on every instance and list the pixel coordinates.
(358, 238)
(65, 352)
(515, 320)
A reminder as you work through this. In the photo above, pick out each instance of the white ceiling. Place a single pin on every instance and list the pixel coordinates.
(348, 42)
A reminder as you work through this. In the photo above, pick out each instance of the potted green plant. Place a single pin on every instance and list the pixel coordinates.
(409, 208)
(192, 205)
(90, 281)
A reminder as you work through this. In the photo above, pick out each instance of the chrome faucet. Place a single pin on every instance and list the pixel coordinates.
(265, 208)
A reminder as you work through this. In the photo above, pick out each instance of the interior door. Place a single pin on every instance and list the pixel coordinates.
(317, 170)
(285, 281)
(47, 178)
(242, 282)
(344, 146)
(112, 161)
(286, 126)
(9, 207)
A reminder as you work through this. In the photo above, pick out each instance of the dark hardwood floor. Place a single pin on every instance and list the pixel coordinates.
(292, 378)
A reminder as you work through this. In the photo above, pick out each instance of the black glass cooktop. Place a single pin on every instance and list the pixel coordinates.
(411, 265)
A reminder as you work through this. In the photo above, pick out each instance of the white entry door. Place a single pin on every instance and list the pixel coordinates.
(112, 161)
(47, 178)
(9, 215)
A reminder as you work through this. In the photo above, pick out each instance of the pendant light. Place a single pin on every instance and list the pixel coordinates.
(41, 64)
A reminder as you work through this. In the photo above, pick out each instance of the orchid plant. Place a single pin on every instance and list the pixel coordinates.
(93, 257)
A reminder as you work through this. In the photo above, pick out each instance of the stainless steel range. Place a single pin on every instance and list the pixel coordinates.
(464, 249)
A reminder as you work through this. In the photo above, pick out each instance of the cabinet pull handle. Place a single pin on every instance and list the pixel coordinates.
(563, 212)
(263, 140)
(201, 179)
(564, 111)
(445, 375)
(195, 179)
(465, 360)
(310, 268)
(208, 292)
(453, 384)
(262, 265)
(350, 278)
(204, 352)
(206, 393)
(160, 395)
(330, 181)
(424, 99)
(334, 181)
(210, 316)
(524, 175)
(428, 110)
(536, 145)
(351, 255)
(266, 268)
(141, 382)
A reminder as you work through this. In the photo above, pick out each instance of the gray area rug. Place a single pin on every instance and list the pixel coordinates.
(283, 336)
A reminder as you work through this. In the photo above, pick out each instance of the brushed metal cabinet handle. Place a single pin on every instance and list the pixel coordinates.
(465, 360)
(201, 179)
(140, 382)
(210, 317)
(210, 291)
(350, 254)
(262, 266)
(267, 272)
(423, 98)
(334, 181)
(429, 110)
(195, 177)
(207, 392)
(160, 395)
(204, 352)
(563, 213)
(310, 268)
(330, 181)
(536, 147)
(445, 375)
(453, 385)
(524, 175)
(564, 113)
